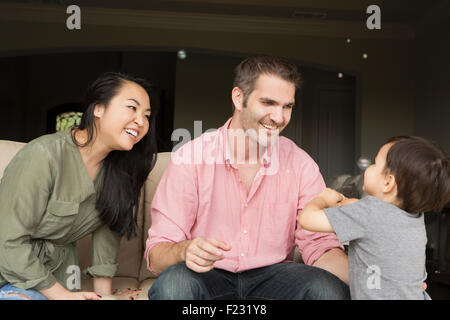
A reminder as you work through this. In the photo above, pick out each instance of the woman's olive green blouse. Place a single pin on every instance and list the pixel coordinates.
(47, 203)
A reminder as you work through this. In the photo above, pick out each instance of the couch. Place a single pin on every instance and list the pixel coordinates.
(132, 271)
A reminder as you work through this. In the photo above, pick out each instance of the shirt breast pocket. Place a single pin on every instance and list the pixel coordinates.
(58, 219)
(280, 221)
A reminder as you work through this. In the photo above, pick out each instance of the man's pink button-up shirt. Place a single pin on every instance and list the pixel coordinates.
(200, 195)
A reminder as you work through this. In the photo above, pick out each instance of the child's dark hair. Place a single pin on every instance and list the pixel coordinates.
(421, 170)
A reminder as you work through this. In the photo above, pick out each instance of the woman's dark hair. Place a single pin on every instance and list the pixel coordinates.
(421, 170)
(124, 172)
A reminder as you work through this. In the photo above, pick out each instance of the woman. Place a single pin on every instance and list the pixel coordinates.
(61, 187)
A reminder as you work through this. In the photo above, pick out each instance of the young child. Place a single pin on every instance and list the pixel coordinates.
(386, 230)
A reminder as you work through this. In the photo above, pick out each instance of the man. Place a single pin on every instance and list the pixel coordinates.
(225, 227)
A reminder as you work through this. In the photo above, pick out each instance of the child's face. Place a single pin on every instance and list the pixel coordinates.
(374, 176)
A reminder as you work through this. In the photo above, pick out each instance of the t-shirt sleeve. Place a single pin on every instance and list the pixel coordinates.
(350, 222)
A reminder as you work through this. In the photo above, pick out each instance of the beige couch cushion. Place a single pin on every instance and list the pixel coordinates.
(131, 251)
(8, 150)
(150, 187)
(145, 286)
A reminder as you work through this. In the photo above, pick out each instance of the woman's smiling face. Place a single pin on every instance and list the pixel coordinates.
(125, 120)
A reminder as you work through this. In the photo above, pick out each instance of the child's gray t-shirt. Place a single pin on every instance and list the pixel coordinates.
(386, 253)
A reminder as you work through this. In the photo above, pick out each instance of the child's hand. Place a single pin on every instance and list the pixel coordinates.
(331, 197)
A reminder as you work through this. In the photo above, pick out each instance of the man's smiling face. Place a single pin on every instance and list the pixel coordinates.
(268, 109)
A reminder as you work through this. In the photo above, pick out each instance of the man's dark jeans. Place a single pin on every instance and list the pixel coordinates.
(282, 281)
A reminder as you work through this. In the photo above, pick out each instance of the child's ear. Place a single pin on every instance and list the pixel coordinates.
(390, 184)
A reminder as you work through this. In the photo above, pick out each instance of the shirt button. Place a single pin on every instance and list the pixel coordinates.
(245, 231)
(242, 254)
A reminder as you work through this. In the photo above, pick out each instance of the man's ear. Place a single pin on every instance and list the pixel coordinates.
(238, 98)
(390, 184)
(99, 110)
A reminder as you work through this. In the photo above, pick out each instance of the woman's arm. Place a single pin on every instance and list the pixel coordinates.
(103, 286)
(58, 292)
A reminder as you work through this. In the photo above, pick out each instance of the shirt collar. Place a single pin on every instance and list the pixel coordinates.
(266, 158)
(225, 143)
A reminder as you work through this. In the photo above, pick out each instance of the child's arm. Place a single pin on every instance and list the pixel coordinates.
(313, 218)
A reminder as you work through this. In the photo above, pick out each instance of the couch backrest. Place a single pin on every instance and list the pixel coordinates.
(8, 149)
(149, 188)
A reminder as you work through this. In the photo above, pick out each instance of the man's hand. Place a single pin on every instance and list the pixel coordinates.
(331, 197)
(202, 253)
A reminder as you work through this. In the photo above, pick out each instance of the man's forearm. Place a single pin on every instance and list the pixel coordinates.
(334, 261)
(165, 254)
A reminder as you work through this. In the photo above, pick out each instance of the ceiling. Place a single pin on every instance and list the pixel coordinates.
(398, 11)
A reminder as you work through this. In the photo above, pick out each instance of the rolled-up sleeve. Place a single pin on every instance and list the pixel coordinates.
(105, 249)
(24, 193)
(174, 207)
(312, 245)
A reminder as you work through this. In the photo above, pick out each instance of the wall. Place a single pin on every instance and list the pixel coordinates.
(385, 78)
(42, 81)
(432, 107)
(203, 90)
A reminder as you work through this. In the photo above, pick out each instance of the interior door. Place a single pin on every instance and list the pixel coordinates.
(335, 145)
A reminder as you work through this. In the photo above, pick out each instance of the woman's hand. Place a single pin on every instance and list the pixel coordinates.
(79, 296)
(58, 292)
(127, 294)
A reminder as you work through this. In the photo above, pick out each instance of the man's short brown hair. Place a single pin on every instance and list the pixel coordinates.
(246, 72)
(421, 170)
